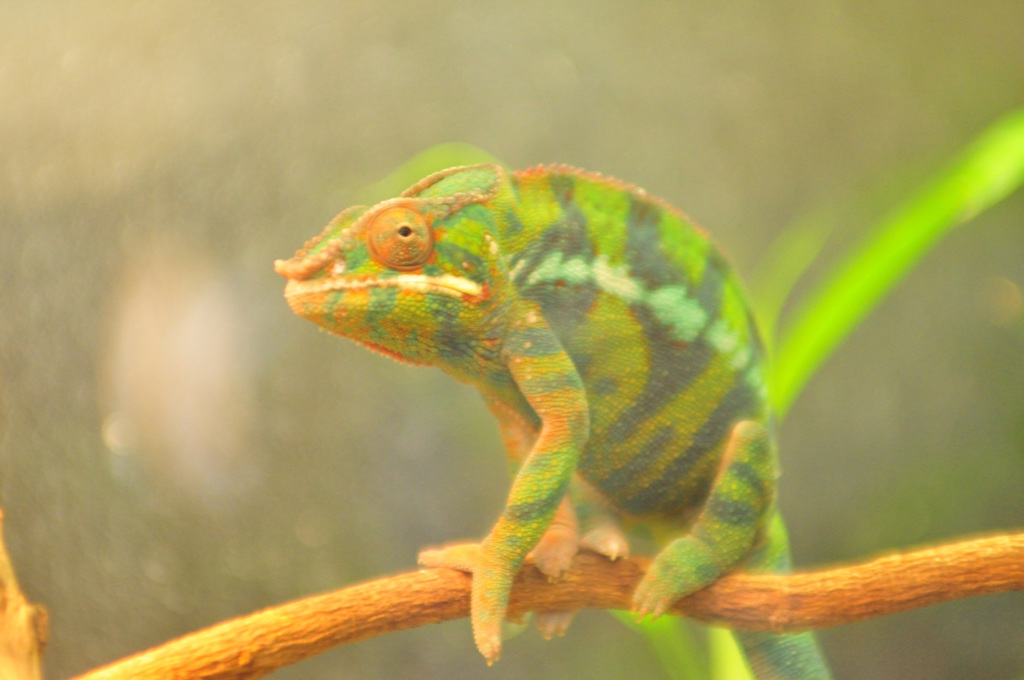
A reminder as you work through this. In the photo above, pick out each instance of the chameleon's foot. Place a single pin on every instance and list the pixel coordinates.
(554, 623)
(652, 597)
(606, 539)
(460, 556)
(685, 565)
(486, 617)
(553, 554)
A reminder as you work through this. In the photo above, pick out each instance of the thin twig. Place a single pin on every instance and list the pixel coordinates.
(252, 646)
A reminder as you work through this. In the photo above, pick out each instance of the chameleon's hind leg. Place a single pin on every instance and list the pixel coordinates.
(554, 553)
(779, 657)
(724, 530)
(602, 529)
(552, 556)
(584, 510)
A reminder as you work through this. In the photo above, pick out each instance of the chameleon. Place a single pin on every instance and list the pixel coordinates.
(613, 343)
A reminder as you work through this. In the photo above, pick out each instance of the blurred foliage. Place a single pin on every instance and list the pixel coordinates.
(726, 658)
(674, 644)
(989, 170)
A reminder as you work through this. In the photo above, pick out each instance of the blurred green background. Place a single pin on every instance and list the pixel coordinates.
(177, 448)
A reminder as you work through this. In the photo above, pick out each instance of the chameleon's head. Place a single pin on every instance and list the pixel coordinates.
(413, 277)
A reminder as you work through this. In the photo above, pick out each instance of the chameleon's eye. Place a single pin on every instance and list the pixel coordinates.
(399, 238)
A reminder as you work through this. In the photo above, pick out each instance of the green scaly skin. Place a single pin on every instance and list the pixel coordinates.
(614, 345)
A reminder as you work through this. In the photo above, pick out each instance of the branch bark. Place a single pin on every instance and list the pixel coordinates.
(254, 645)
(23, 625)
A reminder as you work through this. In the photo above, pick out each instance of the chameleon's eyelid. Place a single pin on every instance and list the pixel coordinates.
(419, 206)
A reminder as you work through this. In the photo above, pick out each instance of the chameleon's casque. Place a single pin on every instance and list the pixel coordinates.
(613, 343)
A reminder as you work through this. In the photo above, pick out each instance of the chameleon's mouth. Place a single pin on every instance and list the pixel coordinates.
(446, 284)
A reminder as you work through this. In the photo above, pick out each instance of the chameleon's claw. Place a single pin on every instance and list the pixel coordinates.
(651, 598)
(488, 641)
(608, 540)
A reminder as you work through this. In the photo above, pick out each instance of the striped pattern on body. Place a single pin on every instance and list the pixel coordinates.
(656, 324)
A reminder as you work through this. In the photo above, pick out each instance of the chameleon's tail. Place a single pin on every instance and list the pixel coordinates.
(783, 657)
(780, 657)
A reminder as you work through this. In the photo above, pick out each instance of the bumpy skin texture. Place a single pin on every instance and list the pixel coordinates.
(613, 344)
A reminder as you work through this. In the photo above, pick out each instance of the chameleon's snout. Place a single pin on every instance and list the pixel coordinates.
(285, 268)
(298, 269)
(303, 293)
(303, 266)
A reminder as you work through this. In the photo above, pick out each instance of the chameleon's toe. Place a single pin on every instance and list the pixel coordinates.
(488, 640)
(554, 623)
(652, 598)
(553, 554)
(461, 556)
(608, 540)
(666, 581)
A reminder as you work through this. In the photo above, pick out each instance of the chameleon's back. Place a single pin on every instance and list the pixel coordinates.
(656, 323)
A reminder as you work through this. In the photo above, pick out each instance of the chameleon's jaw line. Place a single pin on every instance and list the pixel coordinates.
(452, 286)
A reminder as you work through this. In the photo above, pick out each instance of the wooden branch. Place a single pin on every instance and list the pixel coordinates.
(255, 645)
(23, 625)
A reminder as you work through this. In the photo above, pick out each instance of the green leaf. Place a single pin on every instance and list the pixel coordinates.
(727, 660)
(784, 262)
(673, 644)
(991, 168)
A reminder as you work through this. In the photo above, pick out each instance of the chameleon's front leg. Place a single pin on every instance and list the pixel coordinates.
(547, 378)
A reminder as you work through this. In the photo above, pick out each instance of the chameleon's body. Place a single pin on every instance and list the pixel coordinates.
(612, 342)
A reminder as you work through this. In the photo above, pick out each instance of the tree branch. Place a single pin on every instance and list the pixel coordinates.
(23, 625)
(254, 645)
